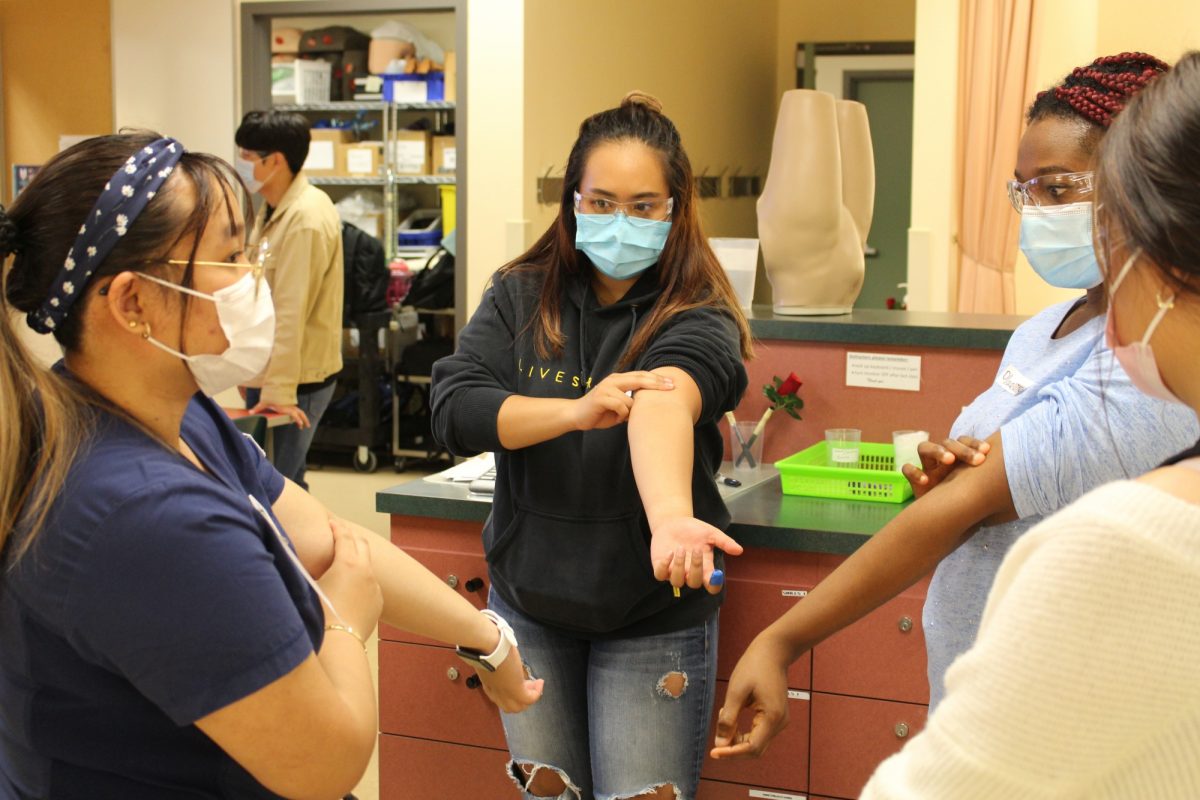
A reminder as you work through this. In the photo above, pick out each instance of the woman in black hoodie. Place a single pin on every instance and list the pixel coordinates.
(596, 368)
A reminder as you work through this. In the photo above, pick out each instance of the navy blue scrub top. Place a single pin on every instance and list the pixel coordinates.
(154, 596)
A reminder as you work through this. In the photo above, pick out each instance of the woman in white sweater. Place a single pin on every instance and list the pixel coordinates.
(1083, 680)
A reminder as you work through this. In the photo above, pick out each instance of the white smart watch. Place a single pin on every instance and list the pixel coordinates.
(491, 661)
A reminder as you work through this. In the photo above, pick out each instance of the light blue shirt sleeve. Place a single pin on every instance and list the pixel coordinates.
(1088, 428)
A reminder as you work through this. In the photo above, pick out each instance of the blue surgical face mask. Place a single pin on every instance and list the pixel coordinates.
(245, 169)
(1057, 240)
(621, 247)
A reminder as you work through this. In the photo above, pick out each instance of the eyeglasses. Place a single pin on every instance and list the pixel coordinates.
(655, 208)
(1051, 190)
(262, 253)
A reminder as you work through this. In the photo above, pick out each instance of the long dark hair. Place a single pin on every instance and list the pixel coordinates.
(1149, 171)
(48, 417)
(689, 274)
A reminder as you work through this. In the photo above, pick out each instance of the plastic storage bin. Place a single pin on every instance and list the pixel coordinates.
(808, 473)
(414, 88)
(313, 81)
(422, 227)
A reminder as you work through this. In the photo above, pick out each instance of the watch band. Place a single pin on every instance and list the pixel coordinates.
(491, 661)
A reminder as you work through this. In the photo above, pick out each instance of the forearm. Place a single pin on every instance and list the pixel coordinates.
(418, 601)
(903, 552)
(344, 660)
(661, 446)
(526, 421)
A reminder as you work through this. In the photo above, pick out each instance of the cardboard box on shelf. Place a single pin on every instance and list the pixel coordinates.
(410, 152)
(360, 159)
(322, 161)
(445, 156)
(451, 68)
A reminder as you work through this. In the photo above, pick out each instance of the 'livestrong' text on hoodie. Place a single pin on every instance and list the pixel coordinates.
(567, 541)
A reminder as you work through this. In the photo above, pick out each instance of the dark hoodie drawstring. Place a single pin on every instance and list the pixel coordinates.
(583, 356)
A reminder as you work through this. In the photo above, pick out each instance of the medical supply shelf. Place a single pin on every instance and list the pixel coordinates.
(256, 20)
(853, 700)
(351, 106)
(439, 180)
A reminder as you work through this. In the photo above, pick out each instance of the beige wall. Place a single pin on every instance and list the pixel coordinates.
(711, 63)
(57, 76)
(173, 70)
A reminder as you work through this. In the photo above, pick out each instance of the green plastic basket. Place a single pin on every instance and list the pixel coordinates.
(808, 473)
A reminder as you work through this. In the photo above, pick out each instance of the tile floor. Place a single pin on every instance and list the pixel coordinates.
(351, 495)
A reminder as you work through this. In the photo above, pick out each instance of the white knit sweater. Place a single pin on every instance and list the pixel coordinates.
(1085, 679)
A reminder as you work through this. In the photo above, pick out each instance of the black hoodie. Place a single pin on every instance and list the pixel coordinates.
(567, 541)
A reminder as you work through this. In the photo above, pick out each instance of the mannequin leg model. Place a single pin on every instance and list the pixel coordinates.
(817, 204)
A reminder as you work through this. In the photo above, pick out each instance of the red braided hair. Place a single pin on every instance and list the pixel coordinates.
(1099, 91)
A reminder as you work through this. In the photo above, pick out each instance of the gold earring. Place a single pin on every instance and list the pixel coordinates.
(133, 323)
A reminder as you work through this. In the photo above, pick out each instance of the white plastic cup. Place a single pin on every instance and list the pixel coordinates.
(843, 446)
(904, 446)
(739, 258)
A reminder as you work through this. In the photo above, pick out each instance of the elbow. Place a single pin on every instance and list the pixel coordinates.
(334, 772)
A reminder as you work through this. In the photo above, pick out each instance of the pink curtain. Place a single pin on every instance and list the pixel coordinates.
(997, 43)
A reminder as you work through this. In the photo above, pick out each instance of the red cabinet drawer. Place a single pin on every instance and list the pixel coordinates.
(417, 697)
(851, 735)
(418, 769)
(785, 764)
(460, 570)
(750, 606)
(882, 655)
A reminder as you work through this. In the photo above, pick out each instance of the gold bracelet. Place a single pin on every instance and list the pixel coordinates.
(333, 626)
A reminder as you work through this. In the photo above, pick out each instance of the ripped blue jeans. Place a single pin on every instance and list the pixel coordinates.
(619, 718)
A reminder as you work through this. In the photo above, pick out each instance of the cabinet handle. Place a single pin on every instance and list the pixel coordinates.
(474, 585)
(473, 682)
(901, 730)
(905, 624)
(452, 674)
(452, 581)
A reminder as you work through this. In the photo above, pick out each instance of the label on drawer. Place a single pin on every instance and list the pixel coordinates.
(795, 593)
(796, 694)
(763, 793)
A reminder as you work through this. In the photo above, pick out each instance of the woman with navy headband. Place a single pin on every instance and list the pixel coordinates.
(176, 619)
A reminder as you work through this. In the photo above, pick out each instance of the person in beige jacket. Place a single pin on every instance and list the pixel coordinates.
(305, 272)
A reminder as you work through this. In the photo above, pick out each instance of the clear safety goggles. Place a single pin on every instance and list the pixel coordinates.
(1052, 190)
(654, 208)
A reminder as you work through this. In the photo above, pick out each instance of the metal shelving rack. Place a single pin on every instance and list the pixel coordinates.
(256, 17)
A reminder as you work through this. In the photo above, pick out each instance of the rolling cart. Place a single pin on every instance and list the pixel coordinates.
(411, 356)
(355, 418)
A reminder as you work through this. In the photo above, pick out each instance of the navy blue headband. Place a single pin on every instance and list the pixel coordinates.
(124, 197)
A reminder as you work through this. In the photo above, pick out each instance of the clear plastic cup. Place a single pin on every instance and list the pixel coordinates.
(746, 448)
(843, 446)
(904, 446)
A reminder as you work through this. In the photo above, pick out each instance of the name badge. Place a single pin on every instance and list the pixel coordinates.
(1012, 381)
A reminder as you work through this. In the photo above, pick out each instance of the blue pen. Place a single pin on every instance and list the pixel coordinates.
(717, 579)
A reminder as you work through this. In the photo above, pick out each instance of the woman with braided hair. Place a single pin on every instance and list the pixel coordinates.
(1060, 419)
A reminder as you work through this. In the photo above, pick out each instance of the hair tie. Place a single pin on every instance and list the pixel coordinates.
(124, 198)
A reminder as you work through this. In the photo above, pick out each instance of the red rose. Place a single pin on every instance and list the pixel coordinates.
(790, 386)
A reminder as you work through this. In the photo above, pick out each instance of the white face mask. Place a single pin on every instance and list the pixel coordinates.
(249, 325)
